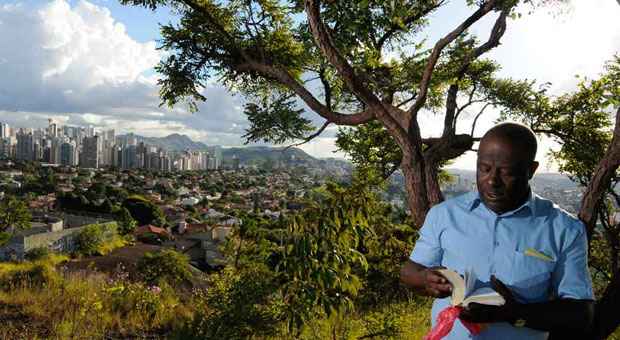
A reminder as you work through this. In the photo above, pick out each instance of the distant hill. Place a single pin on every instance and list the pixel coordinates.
(246, 155)
(259, 154)
(173, 142)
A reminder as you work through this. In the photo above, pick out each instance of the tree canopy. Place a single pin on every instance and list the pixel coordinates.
(352, 63)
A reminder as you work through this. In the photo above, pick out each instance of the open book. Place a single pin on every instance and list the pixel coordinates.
(463, 292)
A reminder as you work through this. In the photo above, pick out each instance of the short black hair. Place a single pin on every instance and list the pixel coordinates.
(515, 134)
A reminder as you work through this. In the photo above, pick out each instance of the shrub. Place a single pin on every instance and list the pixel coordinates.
(37, 253)
(98, 239)
(237, 305)
(89, 240)
(165, 266)
(38, 275)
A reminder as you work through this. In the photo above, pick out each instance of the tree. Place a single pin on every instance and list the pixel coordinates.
(144, 211)
(278, 51)
(126, 223)
(590, 154)
(165, 265)
(14, 213)
(90, 240)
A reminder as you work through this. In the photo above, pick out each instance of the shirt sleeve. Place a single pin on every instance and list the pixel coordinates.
(571, 277)
(427, 250)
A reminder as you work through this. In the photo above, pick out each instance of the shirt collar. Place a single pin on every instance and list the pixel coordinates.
(475, 201)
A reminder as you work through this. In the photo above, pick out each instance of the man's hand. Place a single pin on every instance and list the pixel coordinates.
(435, 284)
(479, 313)
(425, 281)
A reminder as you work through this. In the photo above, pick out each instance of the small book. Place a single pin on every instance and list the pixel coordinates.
(463, 292)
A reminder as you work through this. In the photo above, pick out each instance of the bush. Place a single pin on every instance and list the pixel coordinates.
(89, 240)
(37, 253)
(98, 239)
(237, 305)
(165, 266)
(38, 275)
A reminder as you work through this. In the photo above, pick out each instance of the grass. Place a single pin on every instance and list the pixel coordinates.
(83, 305)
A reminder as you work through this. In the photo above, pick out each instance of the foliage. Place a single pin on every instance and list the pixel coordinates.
(237, 305)
(98, 239)
(89, 240)
(371, 148)
(79, 306)
(316, 265)
(144, 211)
(36, 275)
(14, 213)
(38, 253)
(276, 121)
(127, 224)
(579, 121)
(165, 266)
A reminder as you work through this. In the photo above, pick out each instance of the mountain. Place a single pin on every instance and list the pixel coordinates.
(173, 142)
(260, 154)
(246, 155)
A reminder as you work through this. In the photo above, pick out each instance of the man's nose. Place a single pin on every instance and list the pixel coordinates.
(494, 179)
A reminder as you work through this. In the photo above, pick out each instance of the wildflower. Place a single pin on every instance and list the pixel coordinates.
(155, 289)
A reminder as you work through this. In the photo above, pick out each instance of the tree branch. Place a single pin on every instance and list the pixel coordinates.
(439, 46)
(601, 179)
(356, 83)
(408, 21)
(311, 137)
(287, 80)
(499, 28)
(473, 125)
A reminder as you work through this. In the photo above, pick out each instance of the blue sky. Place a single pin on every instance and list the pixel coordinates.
(91, 62)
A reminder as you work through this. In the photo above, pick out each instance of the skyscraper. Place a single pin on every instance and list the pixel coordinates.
(25, 146)
(90, 152)
(68, 153)
(4, 130)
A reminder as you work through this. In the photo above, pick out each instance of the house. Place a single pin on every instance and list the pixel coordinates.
(152, 234)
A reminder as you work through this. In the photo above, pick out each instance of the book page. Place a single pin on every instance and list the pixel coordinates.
(470, 281)
(485, 296)
(458, 285)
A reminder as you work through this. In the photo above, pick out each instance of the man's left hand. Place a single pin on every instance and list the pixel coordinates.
(479, 313)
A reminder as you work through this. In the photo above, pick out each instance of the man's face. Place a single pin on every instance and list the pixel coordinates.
(502, 174)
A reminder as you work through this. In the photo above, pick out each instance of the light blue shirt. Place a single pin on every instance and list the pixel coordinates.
(462, 233)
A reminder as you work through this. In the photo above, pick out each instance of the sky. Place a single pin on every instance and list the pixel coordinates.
(91, 63)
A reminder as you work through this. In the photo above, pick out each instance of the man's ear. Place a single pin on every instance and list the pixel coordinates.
(533, 168)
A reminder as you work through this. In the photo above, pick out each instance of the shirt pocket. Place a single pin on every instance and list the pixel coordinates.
(530, 277)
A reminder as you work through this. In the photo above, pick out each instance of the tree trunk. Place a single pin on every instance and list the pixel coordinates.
(415, 185)
(606, 316)
(433, 191)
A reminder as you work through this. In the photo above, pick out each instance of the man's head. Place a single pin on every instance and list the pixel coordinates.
(505, 165)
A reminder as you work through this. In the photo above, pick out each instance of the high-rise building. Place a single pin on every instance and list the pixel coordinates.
(25, 146)
(128, 157)
(68, 153)
(4, 130)
(109, 135)
(89, 158)
(52, 128)
(6, 147)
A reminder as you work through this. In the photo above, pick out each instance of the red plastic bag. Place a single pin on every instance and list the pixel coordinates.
(445, 322)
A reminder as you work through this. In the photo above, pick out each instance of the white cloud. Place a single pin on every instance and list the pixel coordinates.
(72, 60)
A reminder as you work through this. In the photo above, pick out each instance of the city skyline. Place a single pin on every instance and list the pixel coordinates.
(87, 147)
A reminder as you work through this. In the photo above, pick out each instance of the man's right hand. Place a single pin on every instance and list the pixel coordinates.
(435, 284)
(426, 281)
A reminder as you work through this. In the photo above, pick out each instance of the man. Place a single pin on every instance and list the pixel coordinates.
(525, 247)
